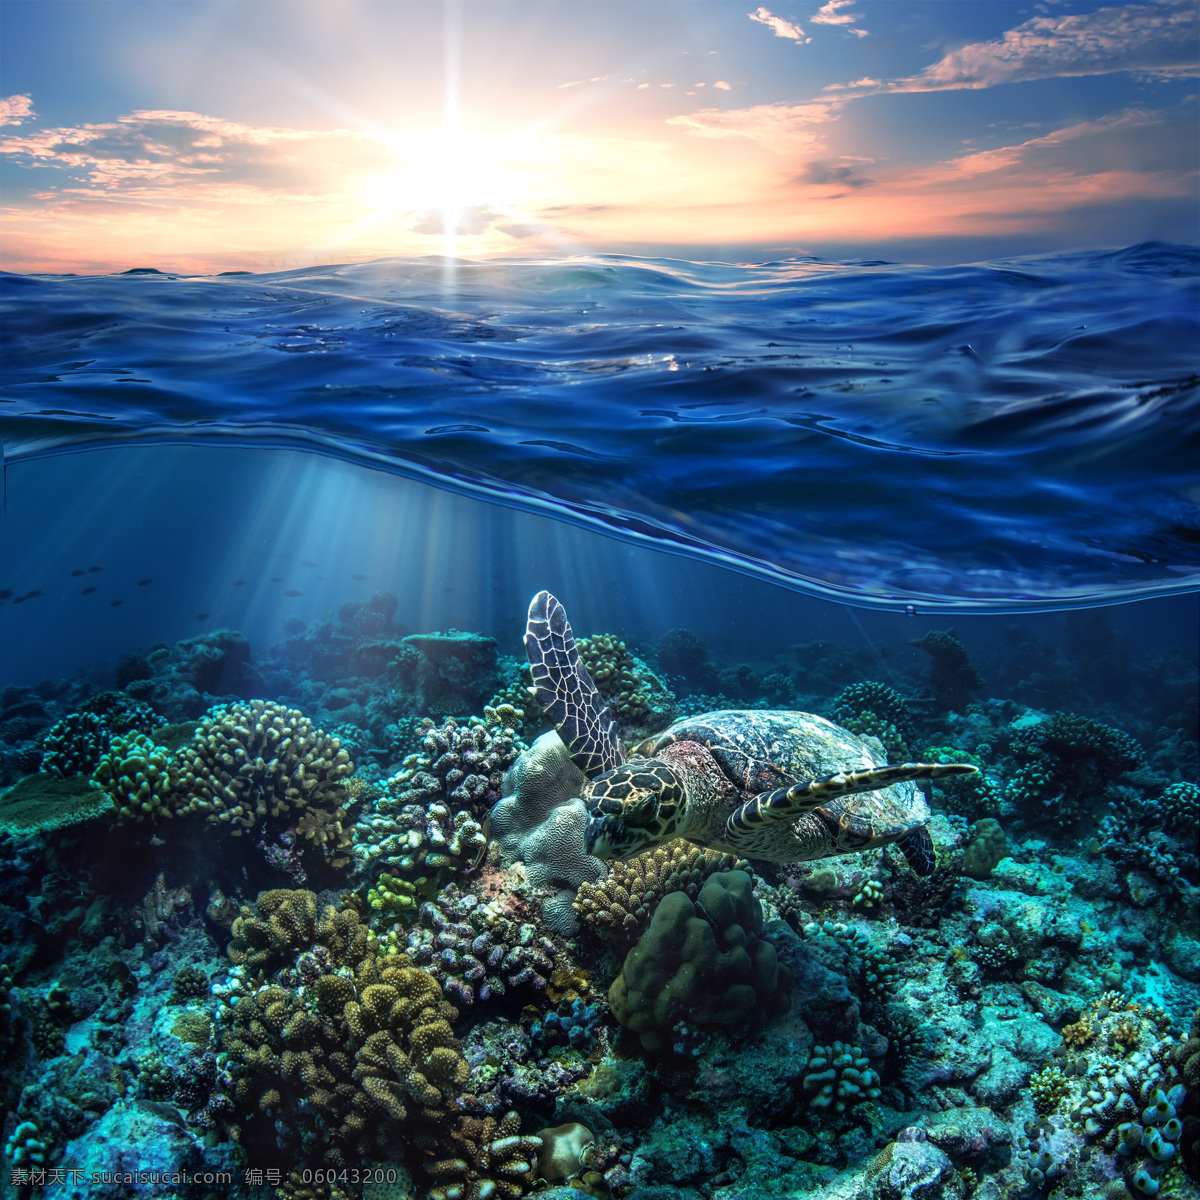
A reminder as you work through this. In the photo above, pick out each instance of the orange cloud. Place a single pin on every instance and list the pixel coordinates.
(14, 109)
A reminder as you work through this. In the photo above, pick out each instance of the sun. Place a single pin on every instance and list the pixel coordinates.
(445, 183)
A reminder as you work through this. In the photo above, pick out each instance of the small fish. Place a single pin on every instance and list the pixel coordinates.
(18, 599)
(360, 578)
(276, 578)
(306, 563)
(115, 603)
(93, 570)
(88, 591)
(239, 583)
(4, 595)
(77, 571)
(144, 582)
(202, 616)
(35, 592)
(293, 593)
(447, 589)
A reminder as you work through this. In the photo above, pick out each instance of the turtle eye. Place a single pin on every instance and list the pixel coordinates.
(641, 810)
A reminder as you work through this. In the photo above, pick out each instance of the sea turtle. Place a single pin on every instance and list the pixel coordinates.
(775, 785)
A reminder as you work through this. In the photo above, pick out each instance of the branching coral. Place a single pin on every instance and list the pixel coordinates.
(1151, 837)
(476, 951)
(250, 762)
(838, 1077)
(286, 924)
(428, 824)
(136, 774)
(1065, 763)
(878, 971)
(640, 701)
(972, 796)
(622, 904)
(76, 744)
(493, 1160)
(334, 1031)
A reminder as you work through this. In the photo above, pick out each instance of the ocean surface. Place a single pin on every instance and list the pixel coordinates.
(1019, 434)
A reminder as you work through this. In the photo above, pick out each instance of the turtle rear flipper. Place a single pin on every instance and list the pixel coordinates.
(566, 692)
(788, 803)
(917, 847)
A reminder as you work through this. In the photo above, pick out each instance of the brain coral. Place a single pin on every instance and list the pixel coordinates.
(704, 962)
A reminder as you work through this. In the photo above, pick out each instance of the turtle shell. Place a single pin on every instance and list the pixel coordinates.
(759, 751)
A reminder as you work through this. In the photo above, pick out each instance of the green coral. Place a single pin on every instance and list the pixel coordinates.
(395, 897)
(74, 745)
(42, 802)
(705, 963)
(428, 826)
(1049, 1087)
(135, 773)
(987, 846)
(1180, 805)
(879, 706)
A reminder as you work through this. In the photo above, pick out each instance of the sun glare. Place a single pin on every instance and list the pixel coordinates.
(445, 183)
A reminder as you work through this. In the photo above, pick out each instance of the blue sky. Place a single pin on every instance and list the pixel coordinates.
(213, 136)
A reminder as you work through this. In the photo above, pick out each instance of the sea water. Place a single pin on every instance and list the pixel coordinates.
(964, 497)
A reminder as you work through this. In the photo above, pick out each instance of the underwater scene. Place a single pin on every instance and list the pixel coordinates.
(599, 602)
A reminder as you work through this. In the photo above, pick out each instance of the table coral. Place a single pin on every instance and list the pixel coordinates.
(621, 905)
(42, 802)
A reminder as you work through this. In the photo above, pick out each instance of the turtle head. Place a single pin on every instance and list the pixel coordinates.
(633, 807)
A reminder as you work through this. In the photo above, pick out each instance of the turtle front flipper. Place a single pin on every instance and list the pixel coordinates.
(566, 692)
(788, 803)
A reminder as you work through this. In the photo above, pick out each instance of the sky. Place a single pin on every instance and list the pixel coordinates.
(211, 135)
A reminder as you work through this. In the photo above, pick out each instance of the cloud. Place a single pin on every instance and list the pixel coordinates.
(1155, 40)
(824, 172)
(14, 108)
(470, 222)
(778, 26)
(162, 149)
(828, 14)
(783, 128)
(725, 87)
